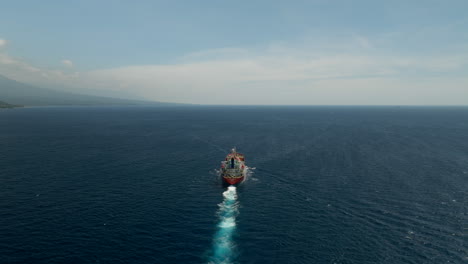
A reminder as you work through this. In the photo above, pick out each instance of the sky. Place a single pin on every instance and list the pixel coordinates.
(253, 52)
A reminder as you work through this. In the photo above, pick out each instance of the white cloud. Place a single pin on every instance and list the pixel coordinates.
(280, 74)
(298, 77)
(3, 42)
(67, 63)
(363, 42)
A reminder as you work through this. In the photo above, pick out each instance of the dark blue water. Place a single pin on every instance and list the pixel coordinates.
(138, 185)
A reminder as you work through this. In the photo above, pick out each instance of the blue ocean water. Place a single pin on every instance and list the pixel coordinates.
(326, 185)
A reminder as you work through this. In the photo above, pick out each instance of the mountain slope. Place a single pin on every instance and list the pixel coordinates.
(7, 105)
(19, 93)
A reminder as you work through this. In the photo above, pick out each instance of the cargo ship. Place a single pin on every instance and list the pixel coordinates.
(233, 168)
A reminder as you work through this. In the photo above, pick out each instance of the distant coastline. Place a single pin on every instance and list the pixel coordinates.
(4, 105)
(17, 94)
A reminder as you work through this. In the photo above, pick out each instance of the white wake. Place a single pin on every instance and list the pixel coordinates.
(223, 244)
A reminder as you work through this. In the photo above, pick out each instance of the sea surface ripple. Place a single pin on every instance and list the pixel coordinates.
(139, 185)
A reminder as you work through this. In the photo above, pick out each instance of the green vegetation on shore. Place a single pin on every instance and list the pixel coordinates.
(7, 105)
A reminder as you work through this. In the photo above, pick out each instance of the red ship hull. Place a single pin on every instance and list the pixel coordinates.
(233, 168)
(233, 181)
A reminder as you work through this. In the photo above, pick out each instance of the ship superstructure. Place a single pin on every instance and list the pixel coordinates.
(233, 168)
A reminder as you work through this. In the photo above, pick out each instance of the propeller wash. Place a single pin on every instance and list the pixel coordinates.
(223, 244)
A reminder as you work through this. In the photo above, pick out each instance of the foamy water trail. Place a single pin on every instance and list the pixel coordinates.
(248, 172)
(223, 244)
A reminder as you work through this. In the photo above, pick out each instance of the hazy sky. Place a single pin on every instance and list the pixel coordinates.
(242, 52)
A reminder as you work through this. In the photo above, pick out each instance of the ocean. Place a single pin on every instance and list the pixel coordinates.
(325, 185)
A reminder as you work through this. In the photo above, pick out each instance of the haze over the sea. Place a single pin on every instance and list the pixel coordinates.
(248, 52)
